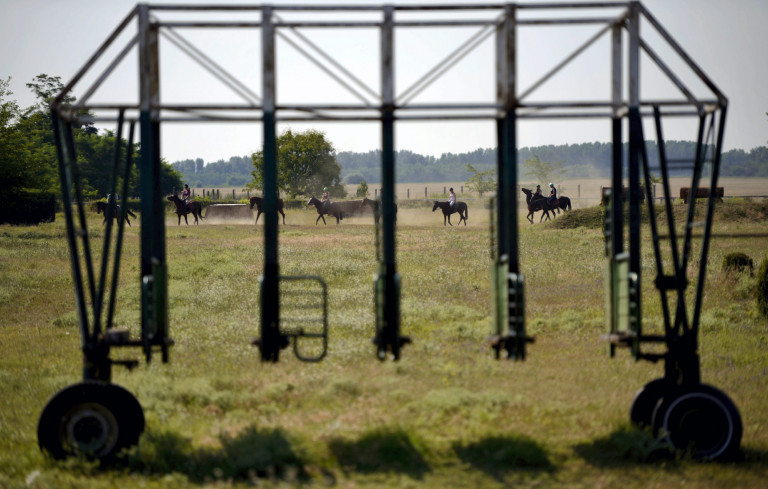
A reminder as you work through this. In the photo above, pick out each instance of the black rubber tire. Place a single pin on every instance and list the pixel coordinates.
(646, 399)
(92, 419)
(700, 419)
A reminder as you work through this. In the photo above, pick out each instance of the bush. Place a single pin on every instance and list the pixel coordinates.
(362, 189)
(761, 290)
(28, 207)
(738, 262)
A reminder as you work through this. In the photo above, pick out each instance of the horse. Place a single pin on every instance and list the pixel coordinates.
(195, 208)
(101, 207)
(537, 204)
(374, 204)
(460, 207)
(563, 203)
(259, 203)
(323, 209)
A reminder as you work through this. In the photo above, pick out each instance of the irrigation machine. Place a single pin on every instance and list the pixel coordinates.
(98, 418)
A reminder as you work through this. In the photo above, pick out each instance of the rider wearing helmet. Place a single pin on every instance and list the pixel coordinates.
(538, 194)
(186, 194)
(326, 197)
(552, 193)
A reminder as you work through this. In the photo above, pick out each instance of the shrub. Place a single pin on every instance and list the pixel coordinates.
(27, 206)
(362, 189)
(761, 290)
(737, 262)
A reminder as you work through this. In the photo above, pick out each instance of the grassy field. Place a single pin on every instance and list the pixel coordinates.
(446, 415)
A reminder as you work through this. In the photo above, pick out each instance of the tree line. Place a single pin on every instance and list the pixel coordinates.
(28, 157)
(585, 160)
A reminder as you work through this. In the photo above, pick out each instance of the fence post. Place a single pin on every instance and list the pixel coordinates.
(462, 189)
(408, 192)
(578, 191)
(443, 190)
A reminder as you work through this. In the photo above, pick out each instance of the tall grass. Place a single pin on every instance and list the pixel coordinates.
(446, 415)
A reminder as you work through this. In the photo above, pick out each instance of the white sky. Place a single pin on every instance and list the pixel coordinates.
(726, 38)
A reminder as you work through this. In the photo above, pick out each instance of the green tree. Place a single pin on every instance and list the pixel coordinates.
(543, 171)
(306, 163)
(27, 155)
(481, 181)
(362, 189)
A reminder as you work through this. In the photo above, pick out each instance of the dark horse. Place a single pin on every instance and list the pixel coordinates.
(101, 208)
(460, 207)
(195, 208)
(259, 203)
(537, 204)
(322, 209)
(563, 203)
(374, 204)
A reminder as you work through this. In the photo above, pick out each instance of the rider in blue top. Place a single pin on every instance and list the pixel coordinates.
(552, 193)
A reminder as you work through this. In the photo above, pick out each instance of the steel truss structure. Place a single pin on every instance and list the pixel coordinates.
(666, 403)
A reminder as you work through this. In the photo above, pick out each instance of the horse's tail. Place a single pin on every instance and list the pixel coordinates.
(466, 212)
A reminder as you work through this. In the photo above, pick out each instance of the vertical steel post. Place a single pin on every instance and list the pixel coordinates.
(506, 165)
(154, 318)
(617, 180)
(635, 143)
(390, 335)
(270, 296)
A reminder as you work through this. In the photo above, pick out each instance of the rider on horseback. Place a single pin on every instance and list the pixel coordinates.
(185, 195)
(451, 197)
(538, 193)
(552, 200)
(326, 197)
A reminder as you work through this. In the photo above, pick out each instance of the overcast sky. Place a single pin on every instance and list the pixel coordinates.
(726, 38)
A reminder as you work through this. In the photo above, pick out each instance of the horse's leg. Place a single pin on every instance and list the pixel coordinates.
(318, 219)
(179, 216)
(283, 213)
(185, 220)
(258, 213)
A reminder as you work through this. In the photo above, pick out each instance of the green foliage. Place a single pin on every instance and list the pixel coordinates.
(235, 172)
(738, 262)
(362, 189)
(544, 171)
(761, 289)
(305, 164)
(481, 181)
(28, 159)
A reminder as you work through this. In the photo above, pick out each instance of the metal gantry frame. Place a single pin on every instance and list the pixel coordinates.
(663, 403)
